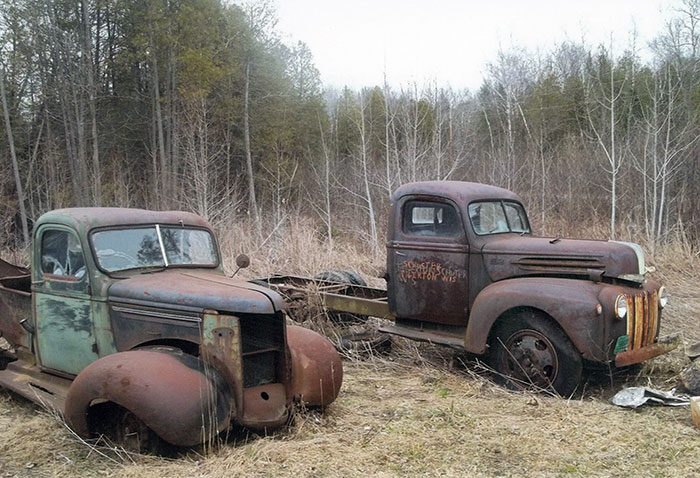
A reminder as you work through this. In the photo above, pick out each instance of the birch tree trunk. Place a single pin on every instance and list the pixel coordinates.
(13, 157)
(92, 93)
(252, 203)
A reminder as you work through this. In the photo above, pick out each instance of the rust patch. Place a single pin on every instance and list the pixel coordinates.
(663, 346)
(317, 372)
(170, 392)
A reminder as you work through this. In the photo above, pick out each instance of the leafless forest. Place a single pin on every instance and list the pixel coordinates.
(198, 105)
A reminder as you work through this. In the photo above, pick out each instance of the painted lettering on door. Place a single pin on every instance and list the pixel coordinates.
(410, 272)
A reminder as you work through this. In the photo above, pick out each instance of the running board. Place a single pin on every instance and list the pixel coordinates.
(39, 387)
(431, 336)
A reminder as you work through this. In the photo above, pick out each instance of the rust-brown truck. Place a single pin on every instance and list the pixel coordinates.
(126, 323)
(464, 270)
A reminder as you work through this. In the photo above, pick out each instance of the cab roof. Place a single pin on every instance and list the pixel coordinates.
(85, 219)
(461, 192)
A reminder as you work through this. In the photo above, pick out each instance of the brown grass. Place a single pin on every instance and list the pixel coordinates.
(421, 410)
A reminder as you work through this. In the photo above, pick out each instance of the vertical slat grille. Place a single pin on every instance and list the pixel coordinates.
(642, 320)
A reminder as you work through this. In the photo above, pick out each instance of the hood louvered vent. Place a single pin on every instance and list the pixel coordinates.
(568, 265)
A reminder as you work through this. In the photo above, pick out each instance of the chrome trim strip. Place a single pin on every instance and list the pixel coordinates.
(160, 315)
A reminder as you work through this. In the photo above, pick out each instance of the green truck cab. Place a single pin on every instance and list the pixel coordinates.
(129, 311)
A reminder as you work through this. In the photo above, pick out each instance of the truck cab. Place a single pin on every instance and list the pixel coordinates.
(132, 307)
(464, 269)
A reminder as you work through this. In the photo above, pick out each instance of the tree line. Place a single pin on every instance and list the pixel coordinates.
(199, 105)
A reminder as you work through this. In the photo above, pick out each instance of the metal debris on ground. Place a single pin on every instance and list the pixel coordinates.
(690, 376)
(634, 397)
(693, 351)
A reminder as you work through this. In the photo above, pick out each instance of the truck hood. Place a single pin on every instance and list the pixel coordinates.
(196, 290)
(514, 255)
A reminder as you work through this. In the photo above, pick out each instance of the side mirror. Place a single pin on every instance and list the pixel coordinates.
(242, 261)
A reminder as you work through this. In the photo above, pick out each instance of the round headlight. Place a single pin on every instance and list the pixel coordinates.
(621, 307)
(663, 297)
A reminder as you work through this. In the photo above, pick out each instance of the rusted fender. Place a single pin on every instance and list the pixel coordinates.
(317, 372)
(168, 390)
(571, 303)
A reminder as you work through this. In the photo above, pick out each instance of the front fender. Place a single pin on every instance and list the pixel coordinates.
(171, 392)
(570, 302)
(317, 371)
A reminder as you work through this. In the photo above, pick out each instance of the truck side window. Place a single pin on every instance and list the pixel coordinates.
(516, 217)
(496, 217)
(430, 219)
(61, 254)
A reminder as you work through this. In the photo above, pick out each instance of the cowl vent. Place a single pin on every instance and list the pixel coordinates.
(566, 265)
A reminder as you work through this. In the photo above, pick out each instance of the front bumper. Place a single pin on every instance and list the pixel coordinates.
(664, 345)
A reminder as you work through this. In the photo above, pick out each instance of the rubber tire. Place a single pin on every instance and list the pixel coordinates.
(568, 370)
(127, 431)
(343, 277)
(354, 278)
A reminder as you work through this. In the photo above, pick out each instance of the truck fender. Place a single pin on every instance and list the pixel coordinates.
(317, 371)
(174, 394)
(570, 303)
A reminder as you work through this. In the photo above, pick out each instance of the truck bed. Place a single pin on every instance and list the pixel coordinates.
(335, 296)
(15, 305)
(363, 301)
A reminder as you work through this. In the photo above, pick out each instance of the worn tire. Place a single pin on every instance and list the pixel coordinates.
(343, 277)
(366, 342)
(529, 350)
(126, 430)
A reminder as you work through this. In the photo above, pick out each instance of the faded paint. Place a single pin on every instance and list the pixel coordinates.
(65, 335)
(221, 346)
(317, 372)
(86, 324)
(174, 394)
(451, 285)
(196, 290)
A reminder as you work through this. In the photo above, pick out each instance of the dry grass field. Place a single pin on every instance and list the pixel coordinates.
(418, 411)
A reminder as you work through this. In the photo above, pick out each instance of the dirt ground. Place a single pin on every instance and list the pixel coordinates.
(418, 411)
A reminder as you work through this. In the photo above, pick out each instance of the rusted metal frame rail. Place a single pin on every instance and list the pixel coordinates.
(336, 297)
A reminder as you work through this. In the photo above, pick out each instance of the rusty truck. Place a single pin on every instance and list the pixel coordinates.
(464, 270)
(125, 318)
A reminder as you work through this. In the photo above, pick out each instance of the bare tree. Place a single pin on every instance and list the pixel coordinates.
(13, 157)
(608, 101)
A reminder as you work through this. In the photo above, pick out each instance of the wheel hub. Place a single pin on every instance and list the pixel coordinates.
(531, 358)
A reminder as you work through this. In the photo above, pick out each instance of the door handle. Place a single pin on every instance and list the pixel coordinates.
(400, 253)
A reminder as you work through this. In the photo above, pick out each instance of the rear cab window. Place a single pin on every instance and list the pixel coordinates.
(425, 218)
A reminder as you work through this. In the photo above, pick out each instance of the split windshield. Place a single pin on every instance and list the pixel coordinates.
(496, 217)
(153, 246)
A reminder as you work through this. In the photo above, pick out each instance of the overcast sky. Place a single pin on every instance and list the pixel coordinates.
(450, 41)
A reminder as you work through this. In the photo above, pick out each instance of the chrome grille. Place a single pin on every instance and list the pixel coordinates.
(642, 319)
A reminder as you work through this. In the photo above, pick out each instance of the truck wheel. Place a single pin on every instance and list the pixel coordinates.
(126, 430)
(529, 351)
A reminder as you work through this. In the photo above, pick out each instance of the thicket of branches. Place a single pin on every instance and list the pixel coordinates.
(198, 104)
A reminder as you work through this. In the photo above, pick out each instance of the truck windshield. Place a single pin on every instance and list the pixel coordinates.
(496, 217)
(153, 246)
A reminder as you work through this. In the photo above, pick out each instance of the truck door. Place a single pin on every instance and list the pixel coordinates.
(427, 262)
(61, 292)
